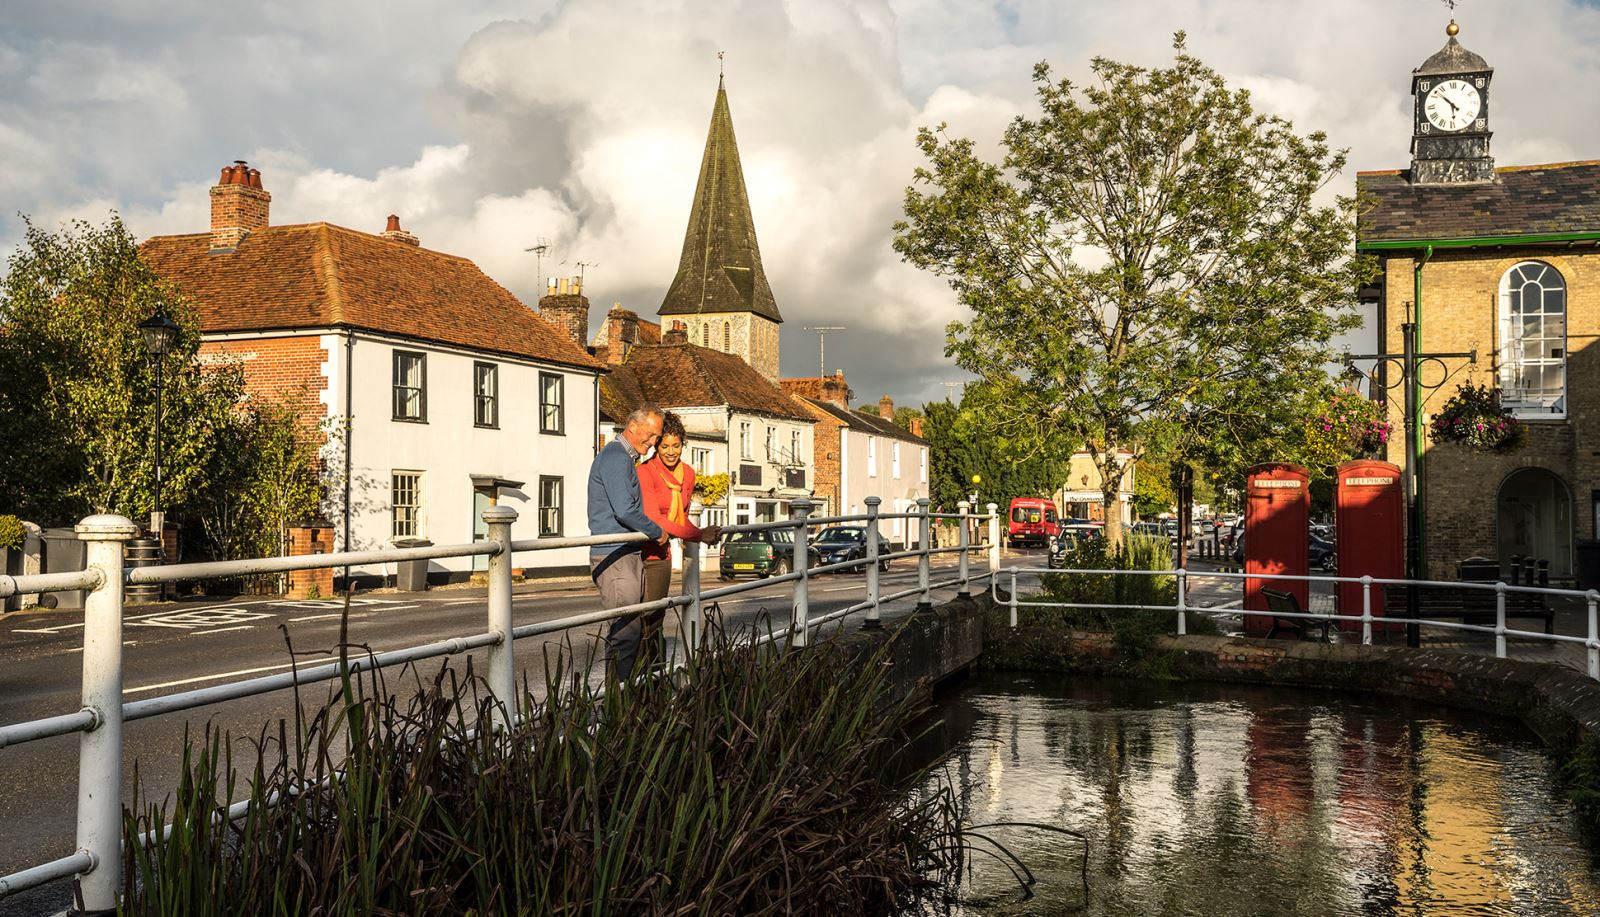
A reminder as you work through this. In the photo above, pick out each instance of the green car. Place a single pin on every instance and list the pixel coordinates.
(763, 554)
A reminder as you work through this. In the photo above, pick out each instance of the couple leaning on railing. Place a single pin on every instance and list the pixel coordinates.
(629, 493)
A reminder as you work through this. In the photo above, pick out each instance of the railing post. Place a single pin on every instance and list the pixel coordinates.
(1499, 620)
(694, 623)
(1594, 634)
(965, 509)
(1366, 611)
(1012, 601)
(925, 542)
(1183, 623)
(799, 509)
(502, 661)
(994, 540)
(874, 589)
(100, 748)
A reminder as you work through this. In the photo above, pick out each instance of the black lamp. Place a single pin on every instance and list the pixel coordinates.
(160, 333)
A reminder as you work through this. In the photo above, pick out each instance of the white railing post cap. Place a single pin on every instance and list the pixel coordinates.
(106, 527)
(499, 513)
(923, 501)
(992, 507)
(963, 506)
(872, 501)
(801, 506)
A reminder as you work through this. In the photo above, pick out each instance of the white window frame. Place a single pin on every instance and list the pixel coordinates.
(872, 456)
(412, 526)
(485, 395)
(746, 440)
(551, 513)
(552, 404)
(700, 460)
(772, 441)
(922, 474)
(894, 460)
(794, 446)
(1516, 367)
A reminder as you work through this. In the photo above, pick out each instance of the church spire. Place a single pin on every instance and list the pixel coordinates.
(720, 269)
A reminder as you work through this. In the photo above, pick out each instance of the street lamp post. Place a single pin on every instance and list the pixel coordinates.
(1409, 361)
(160, 333)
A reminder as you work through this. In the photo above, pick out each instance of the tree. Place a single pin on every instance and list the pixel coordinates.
(962, 442)
(1152, 489)
(1148, 268)
(77, 411)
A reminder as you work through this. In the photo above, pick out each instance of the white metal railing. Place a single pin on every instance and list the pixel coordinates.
(1365, 618)
(97, 859)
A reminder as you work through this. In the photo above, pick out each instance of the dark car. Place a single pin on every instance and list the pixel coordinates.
(840, 543)
(1073, 533)
(769, 552)
(1321, 553)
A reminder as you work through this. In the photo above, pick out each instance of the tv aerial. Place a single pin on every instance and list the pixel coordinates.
(540, 247)
(822, 345)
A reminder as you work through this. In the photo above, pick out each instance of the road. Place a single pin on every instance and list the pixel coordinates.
(178, 647)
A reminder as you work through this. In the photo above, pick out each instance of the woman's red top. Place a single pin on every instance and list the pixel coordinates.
(656, 486)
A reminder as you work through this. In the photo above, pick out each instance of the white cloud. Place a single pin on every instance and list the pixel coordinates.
(487, 124)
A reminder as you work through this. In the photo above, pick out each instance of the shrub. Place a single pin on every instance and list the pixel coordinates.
(11, 532)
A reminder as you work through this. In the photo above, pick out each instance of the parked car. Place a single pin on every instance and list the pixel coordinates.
(1072, 534)
(1155, 530)
(1033, 520)
(841, 543)
(769, 552)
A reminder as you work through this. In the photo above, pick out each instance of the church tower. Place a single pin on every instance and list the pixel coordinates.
(720, 292)
(1450, 139)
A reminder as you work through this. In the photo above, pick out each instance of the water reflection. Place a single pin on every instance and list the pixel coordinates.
(1226, 800)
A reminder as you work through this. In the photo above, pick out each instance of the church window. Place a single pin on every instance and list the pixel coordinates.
(1533, 340)
(705, 335)
(727, 337)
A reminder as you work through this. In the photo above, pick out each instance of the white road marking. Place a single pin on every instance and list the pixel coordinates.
(190, 681)
(204, 617)
(316, 617)
(399, 607)
(79, 649)
(222, 630)
(464, 602)
(27, 630)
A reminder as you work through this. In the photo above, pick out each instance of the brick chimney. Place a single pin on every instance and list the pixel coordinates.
(621, 332)
(239, 206)
(916, 427)
(394, 233)
(886, 407)
(676, 335)
(831, 389)
(564, 306)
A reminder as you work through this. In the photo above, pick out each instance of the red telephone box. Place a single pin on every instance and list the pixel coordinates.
(1277, 537)
(1369, 523)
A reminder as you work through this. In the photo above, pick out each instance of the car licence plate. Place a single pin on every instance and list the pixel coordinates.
(744, 566)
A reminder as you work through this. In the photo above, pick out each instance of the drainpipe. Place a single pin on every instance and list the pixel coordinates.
(349, 405)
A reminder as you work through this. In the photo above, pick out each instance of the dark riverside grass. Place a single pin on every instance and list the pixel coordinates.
(751, 782)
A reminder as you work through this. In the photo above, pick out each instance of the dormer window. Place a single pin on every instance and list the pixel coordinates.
(1533, 341)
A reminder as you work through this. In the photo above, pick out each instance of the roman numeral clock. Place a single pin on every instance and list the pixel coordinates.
(1450, 140)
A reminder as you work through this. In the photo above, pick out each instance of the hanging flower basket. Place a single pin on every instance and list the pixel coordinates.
(1347, 425)
(1475, 418)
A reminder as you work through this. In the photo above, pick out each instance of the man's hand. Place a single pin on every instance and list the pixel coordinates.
(662, 538)
(711, 534)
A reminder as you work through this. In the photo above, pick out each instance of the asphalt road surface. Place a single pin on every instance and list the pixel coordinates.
(181, 646)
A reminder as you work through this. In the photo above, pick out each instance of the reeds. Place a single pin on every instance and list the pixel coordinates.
(750, 782)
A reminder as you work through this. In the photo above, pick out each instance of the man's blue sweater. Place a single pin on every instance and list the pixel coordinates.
(614, 502)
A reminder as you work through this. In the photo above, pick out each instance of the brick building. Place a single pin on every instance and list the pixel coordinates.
(1502, 261)
(441, 393)
(860, 455)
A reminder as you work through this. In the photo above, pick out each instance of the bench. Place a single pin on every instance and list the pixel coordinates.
(1286, 603)
(1472, 606)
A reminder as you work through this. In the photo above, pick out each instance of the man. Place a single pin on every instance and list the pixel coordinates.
(615, 507)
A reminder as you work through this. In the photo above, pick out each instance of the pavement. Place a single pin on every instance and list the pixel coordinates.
(180, 646)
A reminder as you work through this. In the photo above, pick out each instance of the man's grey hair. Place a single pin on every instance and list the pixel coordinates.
(642, 413)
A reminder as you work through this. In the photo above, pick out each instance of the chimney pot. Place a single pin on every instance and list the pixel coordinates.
(255, 178)
(239, 206)
(394, 223)
(886, 407)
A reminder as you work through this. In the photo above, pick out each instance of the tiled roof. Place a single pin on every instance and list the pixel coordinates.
(1452, 58)
(686, 376)
(1522, 200)
(317, 275)
(720, 269)
(867, 423)
(649, 333)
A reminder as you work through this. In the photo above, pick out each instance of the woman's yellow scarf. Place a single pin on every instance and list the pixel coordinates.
(674, 481)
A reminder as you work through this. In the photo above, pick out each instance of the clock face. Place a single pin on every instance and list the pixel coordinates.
(1452, 105)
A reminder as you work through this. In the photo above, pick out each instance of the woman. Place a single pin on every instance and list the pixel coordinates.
(667, 485)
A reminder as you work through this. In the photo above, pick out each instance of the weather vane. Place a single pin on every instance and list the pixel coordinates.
(719, 63)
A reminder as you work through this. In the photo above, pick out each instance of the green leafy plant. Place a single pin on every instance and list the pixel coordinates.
(1346, 425)
(1475, 418)
(11, 531)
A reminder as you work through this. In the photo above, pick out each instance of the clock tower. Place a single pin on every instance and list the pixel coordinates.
(1450, 130)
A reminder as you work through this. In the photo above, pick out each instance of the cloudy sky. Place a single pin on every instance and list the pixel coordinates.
(491, 125)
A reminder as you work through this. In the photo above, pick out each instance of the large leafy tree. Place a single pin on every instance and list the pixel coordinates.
(77, 412)
(963, 442)
(1152, 265)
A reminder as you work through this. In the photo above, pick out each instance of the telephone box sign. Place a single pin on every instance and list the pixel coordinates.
(1277, 532)
(1369, 534)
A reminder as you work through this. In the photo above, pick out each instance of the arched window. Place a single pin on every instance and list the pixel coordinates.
(727, 337)
(1533, 340)
(705, 335)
